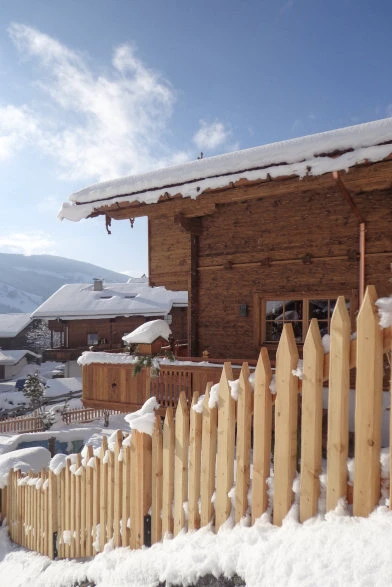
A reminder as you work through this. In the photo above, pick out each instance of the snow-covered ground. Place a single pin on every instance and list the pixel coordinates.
(335, 550)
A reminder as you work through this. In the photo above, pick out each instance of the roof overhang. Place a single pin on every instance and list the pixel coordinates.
(195, 188)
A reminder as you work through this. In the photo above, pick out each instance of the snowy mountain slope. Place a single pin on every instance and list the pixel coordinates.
(26, 282)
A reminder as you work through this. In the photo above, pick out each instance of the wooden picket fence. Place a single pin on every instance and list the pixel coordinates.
(134, 492)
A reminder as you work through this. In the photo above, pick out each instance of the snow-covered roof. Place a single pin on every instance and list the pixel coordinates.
(12, 324)
(310, 155)
(80, 300)
(14, 356)
(148, 332)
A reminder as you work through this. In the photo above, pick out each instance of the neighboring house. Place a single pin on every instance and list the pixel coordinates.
(12, 362)
(263, 236)
(14, 330)
(98, 315)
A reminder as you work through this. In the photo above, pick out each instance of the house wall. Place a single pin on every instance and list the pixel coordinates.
(169, 253)
(294, 244)
(282, 231)
(11, 371)
(110, 332)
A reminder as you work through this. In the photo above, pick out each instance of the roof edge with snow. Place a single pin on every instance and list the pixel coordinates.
(310, 155)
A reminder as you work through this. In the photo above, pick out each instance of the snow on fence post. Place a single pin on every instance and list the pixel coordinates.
(286, 416)
(208, 458)
(225, 453)
(168, 472)
(181, 463)
(244, 428)
(368, 407)
(194, 465)
(338, 404)
(262, 428)
(157, 482)
(311, 422)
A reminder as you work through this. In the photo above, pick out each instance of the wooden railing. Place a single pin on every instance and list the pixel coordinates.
(86, 414)
(22, 424)
(221, 448)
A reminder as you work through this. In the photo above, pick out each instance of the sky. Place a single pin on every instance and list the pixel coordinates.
(99, 89)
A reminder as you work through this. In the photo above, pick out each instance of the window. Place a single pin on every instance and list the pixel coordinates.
(274, 313)
(92, 338)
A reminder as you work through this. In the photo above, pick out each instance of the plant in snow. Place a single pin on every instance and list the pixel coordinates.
(48, 418)
(34, 390)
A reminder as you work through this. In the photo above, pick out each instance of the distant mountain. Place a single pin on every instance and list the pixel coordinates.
(26, 282)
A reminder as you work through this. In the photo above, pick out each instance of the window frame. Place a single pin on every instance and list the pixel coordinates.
(92, 334)
(260, 305)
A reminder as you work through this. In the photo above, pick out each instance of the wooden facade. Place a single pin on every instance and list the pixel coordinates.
(108, 332)
(287, 238)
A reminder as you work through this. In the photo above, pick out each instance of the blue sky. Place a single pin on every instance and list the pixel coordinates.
(96, 89)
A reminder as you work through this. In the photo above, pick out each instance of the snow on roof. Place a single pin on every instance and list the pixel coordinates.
(14, 356)
(148, 332)
(26, 459)
(12, 324)
(79, 300)
(310, 155)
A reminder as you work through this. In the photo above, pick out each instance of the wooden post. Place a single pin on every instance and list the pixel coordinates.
(208, 458)
(390, 429)
(89, 503)
(368, 407)
(78, 505)
(168, 473)
(244, 428)
(52, 511)
(141, 446)
(226, 440)
(311, 422)
(262, 428)
(157, 475)
(103, 494)
(181, 463)
(286, 415)
(194, 465)
(338, 404)
(96, 503)
(118, 486)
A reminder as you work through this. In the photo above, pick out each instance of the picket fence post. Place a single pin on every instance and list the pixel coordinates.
(286, 416)
(311, 422)
(368, 406)
(338, 404)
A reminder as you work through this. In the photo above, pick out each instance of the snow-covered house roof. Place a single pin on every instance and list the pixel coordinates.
(310, 155)
(148, 332)
(79, 300)
(13, 357)
(12, 324)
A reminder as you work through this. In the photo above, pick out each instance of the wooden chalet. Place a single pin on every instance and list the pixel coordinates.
(263, 236)
(96, 316)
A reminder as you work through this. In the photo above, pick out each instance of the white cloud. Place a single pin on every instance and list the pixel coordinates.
(98, 125)
(211, 136)
(27, 243)
(17, 127)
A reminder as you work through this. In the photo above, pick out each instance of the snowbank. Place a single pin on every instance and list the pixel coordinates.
(26, 459)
